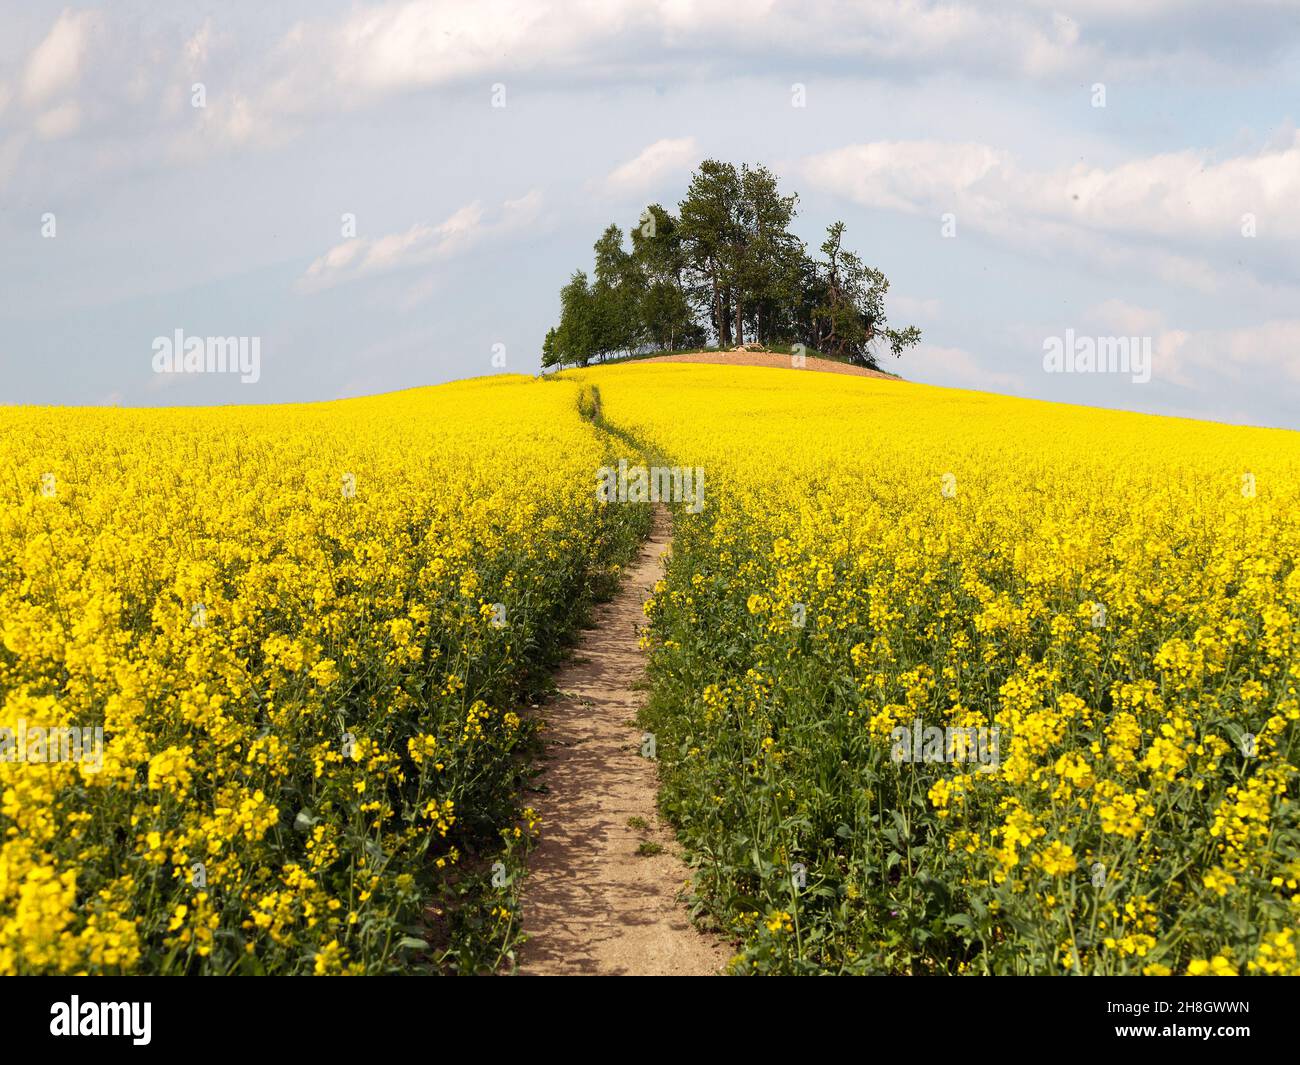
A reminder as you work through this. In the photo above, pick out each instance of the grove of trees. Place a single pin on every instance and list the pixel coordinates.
(725, 268)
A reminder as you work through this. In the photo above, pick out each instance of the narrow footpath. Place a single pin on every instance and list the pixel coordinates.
(604, 892)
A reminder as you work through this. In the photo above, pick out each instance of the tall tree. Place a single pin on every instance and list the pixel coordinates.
(615, 294)
(573, 341)
(667, 320)
(709, 218)
(768, 255)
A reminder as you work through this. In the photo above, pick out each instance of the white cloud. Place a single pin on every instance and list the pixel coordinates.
(238, 121)
(199, 46)
(11, 150)
(1263, 358)
(420, 245)
(267, 77)
(1124, 319)
(1187, 202)
(521, 213)
(955, 368)
(902, 307)
(665, 158)
(1173, 195)
(231, 120)
(61, 121)
(56, 64)
(410, 45)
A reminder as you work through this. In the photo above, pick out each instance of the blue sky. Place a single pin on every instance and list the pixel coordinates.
(1126, 220)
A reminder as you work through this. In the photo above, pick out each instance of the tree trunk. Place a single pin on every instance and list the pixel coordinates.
(719, 321)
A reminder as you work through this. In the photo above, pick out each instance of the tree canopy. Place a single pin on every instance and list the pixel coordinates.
(725, 267)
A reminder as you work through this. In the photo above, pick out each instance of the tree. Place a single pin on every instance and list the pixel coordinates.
(739, 249)
(550, 350)
(667, 319)
(730, 258)
(768, 256)
(709, 220)
(615, 295)
(574, 339)
(850, 316)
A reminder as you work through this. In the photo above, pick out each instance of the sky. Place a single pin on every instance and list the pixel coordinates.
(391, 194)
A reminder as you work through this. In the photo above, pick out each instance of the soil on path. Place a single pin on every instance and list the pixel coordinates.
(771, 358)
(594, 902)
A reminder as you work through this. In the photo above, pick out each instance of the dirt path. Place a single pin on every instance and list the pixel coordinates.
(591, 903)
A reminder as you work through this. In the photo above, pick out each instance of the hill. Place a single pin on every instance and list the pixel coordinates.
(773, 359)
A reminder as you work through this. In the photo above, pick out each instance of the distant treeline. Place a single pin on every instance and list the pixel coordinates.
(726, 269)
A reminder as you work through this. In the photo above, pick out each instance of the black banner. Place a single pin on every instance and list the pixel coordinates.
(150, 1015)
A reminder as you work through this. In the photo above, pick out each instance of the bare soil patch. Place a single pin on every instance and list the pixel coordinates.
(770, 358)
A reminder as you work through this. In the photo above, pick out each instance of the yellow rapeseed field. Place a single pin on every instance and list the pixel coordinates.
(305, 632)
(1106, 601)
(944, 682)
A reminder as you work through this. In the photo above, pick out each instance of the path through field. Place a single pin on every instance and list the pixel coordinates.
(591, 903)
